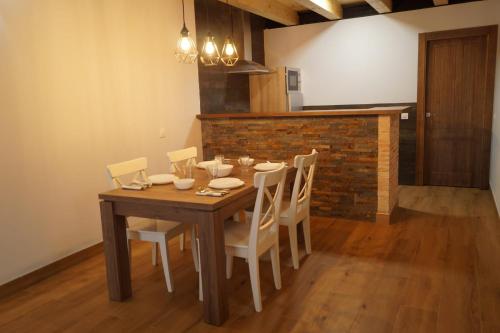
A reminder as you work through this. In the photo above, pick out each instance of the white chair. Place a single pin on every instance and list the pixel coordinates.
(180, 161)
(298, 208)
(250, 241)
(155, 231)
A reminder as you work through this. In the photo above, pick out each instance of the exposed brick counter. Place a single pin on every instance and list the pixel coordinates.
(357, 175)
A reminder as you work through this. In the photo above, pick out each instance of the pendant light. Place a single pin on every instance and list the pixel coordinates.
(229, 53)
(186, 51)
(209, 55)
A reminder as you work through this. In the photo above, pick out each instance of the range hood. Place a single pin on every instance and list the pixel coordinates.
(247, 65)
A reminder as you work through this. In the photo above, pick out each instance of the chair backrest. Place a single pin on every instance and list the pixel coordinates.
(266, 223)
(137, 166)
(187, 156)
(301, 193)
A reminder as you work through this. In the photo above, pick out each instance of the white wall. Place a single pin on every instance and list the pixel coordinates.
(374, 59)
(83, 83)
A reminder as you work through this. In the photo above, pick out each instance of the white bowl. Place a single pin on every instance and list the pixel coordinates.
(184, 183)
(204, 164)
(224, 170)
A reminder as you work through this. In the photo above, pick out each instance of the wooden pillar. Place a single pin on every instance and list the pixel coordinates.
(388, 165)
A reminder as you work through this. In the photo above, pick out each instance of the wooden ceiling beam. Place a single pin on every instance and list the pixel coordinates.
(440, 2)
(382, 6)
(331, 9)
(270, 9)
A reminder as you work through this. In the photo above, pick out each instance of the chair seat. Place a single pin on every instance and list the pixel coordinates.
(285, 208)
(236, 234)
(153, 225)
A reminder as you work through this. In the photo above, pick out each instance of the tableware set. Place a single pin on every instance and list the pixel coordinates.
(219, 184)
(137, 185)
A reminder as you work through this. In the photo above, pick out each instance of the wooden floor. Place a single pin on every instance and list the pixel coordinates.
(437, 270)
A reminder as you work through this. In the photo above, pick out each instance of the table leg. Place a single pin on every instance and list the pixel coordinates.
(114, 231)
(213, 268)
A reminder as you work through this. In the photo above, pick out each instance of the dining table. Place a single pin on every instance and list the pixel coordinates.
(165, 202)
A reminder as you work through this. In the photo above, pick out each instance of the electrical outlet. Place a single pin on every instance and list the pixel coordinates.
(404, 115)
(162, 133)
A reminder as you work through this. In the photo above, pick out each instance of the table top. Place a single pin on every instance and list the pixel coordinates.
(169, 195)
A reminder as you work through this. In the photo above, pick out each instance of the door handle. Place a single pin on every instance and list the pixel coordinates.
(427, 115)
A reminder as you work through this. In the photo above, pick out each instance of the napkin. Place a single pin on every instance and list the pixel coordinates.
(210, 194)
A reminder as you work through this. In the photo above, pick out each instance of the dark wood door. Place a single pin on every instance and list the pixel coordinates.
(457, 120)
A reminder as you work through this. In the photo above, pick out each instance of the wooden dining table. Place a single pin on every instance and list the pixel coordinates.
(165, 202)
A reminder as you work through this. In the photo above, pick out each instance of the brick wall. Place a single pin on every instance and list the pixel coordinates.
(407, 136)
(346, 179)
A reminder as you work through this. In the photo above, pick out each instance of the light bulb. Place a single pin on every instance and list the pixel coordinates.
(210, 55)
(229, 49)
(185, 44)
(229, 52)
(186, 52)
(210, 49)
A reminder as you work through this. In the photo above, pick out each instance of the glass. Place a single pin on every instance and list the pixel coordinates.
(219, 159)
(213, 170)
(184, 169)
(245, 161)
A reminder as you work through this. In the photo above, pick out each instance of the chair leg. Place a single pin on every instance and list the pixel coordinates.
(154, 252)
(229, 266)
(253, 267)
(166, 263)
(181, 241)
(292, 234)
(275, 261)
(306, 228)
(200, 281)
(194, 249)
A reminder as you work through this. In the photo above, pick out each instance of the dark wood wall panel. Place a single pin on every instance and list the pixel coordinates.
(221, 92)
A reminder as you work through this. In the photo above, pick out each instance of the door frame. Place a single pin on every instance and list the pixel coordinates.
(490, 32)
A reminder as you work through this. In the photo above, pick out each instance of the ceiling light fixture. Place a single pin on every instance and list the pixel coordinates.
(186, 51)
(229, 52)
(209, 55)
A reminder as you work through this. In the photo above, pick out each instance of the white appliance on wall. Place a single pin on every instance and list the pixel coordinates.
(295, 99)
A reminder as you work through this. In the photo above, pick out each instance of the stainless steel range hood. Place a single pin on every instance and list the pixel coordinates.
(247, 65)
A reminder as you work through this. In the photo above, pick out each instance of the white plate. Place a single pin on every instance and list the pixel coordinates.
(225, 183)
(161, 179)
(204, 164)
(267, 166)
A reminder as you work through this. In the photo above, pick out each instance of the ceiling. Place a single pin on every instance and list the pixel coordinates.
(300, 8)
(294, 12)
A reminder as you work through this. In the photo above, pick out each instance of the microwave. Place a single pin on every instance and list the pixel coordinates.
(293, 89)
(293, 83)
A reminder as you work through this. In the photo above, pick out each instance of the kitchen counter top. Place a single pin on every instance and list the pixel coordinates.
(377, 111)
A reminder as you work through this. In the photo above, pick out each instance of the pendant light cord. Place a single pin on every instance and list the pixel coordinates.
(206, 12)
(231, 16)
(183, 14)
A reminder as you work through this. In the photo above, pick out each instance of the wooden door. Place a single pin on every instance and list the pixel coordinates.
(457, 107)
